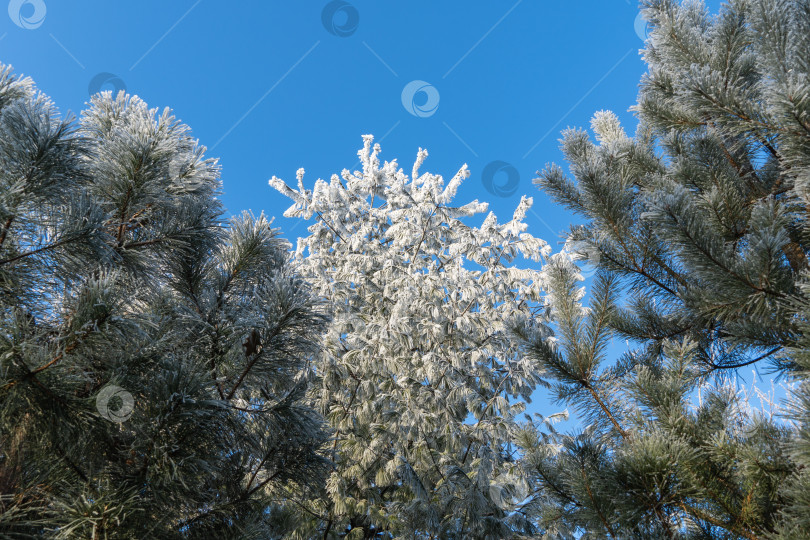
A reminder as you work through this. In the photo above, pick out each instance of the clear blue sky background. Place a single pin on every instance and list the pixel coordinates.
(271, 86)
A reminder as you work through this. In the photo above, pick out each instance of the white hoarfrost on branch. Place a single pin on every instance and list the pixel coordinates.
(423, 375)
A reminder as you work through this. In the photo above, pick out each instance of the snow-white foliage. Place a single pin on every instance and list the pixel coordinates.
(422, 377)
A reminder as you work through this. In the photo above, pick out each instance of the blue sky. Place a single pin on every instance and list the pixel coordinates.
(272, 86)
(268, 88)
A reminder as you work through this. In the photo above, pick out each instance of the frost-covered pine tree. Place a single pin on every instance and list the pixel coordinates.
(422, 376)
(152, 357)
(698, 226)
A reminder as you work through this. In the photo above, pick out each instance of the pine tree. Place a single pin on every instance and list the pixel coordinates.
(153, 358)
(795, 516)
(422, 376)
(698, 228)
